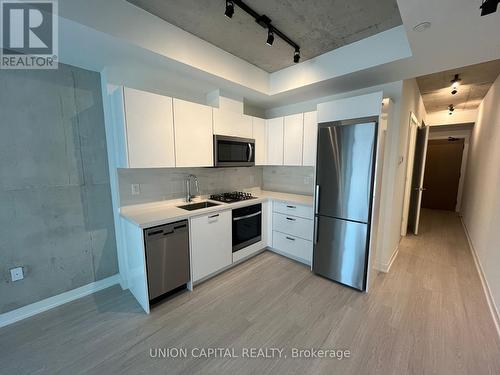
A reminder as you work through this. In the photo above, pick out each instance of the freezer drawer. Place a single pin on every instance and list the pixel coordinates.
(296, 226)
(167, 257)
(341, 251)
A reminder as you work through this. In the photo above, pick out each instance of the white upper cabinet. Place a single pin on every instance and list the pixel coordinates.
(275, 141)
(260, 136)
(310, 138)
(149, 130)
(232, 123)
(292, 139)
(193, 134)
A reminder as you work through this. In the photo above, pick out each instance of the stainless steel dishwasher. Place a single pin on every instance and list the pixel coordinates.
(167, 258)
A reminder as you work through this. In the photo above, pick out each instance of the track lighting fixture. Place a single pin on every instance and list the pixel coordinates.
(451, 109)
(264, 22)
(455, 82)
(229, 9)
(270, 36)
(296, 55)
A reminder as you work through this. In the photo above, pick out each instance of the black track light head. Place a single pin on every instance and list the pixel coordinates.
(488, 7)
(296, 55)
(455, 82)
(229, 9)
(451, 108)
(270, 36)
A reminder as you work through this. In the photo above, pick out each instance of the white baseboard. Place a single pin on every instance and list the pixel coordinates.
(58, 300)
(486, 288)
(385, 267)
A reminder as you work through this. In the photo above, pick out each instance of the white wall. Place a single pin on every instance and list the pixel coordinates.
(390, 90)
(395, 169)
(481, 199)
(458, 117)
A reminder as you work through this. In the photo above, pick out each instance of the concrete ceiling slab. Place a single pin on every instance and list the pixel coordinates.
(476, 81)
(318, 26)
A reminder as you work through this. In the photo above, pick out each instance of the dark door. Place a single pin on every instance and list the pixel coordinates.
(442, 173)
(417, 185)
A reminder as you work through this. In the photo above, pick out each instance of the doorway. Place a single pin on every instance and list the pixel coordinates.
(442, 173)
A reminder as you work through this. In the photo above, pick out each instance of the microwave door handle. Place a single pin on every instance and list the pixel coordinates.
(250, 152)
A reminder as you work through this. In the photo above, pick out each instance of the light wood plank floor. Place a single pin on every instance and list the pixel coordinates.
(427, 316)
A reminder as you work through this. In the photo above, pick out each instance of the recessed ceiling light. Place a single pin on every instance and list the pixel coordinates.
(422, 26)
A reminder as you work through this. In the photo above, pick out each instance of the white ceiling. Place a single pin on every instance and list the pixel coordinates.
(317, 26)
(475, 82)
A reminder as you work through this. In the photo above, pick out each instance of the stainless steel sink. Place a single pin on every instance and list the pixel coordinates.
(197, 206)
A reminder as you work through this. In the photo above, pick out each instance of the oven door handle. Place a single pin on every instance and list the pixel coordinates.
(246, 216)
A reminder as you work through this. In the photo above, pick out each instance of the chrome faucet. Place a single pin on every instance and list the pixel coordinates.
(190, 177)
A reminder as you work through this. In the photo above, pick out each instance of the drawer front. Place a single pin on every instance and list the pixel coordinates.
(293, 209)
(296, 226)
(296, 247)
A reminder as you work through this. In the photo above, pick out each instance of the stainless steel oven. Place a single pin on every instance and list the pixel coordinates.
(247, 226)
(233, 151)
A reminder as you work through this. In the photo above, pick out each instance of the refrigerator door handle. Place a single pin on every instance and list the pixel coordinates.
(315, 230)
(316, 202)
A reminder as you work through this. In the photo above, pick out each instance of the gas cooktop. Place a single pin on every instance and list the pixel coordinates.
(235, 196)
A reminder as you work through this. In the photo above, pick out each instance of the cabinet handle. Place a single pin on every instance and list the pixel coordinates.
(289, 218)
(293, 207)
(290, 238)
(212, 216)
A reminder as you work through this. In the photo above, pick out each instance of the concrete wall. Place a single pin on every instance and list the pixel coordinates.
(481, 202)
(169, 183)
(56, 217)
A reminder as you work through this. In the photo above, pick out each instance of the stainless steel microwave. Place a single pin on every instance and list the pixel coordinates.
(233, 151)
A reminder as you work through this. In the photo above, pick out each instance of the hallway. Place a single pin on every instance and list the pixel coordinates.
(438, 304)
(427, 316)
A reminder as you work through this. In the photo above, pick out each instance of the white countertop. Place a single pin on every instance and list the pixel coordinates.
(158, 213)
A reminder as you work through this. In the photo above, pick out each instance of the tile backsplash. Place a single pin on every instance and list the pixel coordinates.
(296, 180)
(157, 184)
(169, 183)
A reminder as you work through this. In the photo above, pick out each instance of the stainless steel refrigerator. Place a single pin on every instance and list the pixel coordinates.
(345, 173)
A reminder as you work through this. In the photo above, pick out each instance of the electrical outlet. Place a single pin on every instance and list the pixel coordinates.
(136, 189)
(16, 273)
(307, 180)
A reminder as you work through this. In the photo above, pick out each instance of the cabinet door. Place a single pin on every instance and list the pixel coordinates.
(193, 134)
(149, 129)
(275, 141)
(232, 124)
(211, 243)
(260, 136)
(310, 138)
(292, 139)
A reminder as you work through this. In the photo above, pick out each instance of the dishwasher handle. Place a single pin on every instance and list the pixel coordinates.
(166, 230)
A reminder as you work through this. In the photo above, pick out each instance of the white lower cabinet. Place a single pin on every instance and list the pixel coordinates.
(211, 243)
(295, 247)
(297, 226)
(293, 231)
